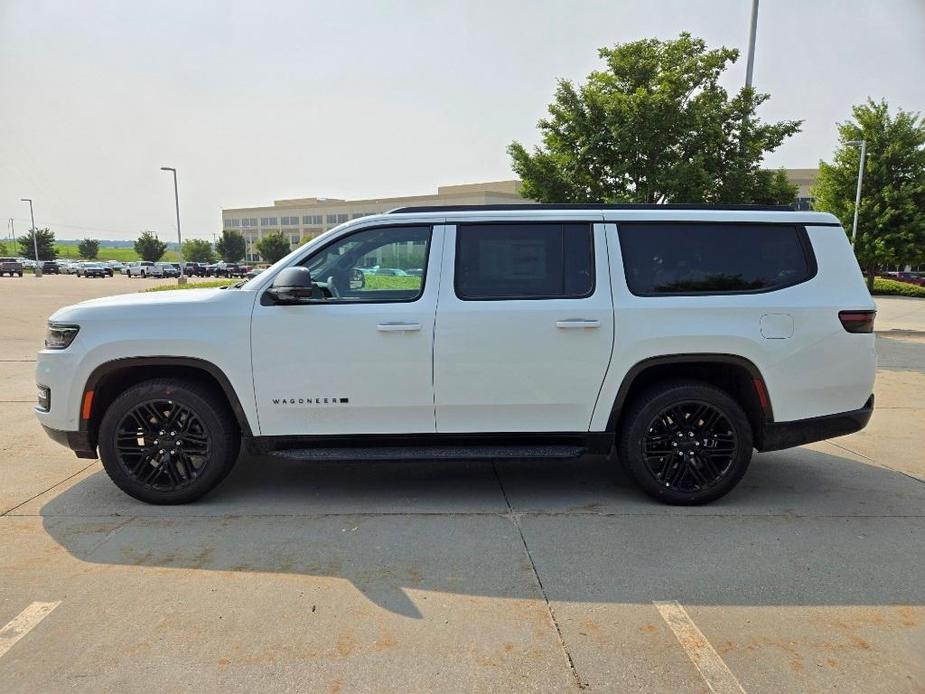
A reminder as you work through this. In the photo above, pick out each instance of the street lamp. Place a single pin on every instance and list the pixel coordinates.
(857, 196)
(35, 239)
(176, 199)
(750, 65)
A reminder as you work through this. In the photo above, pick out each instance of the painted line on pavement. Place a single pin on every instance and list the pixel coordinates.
(23, 623)
(715, 673)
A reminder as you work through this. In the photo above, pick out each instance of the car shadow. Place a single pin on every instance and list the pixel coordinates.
(804, 527)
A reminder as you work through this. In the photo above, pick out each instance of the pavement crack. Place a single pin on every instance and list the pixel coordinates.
(9, 511)
(539, 581)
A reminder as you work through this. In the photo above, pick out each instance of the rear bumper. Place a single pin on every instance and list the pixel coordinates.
(77, 441)
(779, 435)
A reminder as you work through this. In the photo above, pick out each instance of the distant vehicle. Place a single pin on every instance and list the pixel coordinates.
(165, 270)
(95, 270)
(142, 268)
(50, 267)
(223, 269)
(195, 269)
(253, 272)
(115, 265)
(910, 278)
(126, 266)
(10, 266)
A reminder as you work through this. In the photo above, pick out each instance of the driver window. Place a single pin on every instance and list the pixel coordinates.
(381, 264)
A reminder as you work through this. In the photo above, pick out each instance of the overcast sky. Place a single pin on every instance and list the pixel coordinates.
(256, 101)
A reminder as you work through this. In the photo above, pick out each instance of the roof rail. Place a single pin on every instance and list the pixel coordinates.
(590, 206)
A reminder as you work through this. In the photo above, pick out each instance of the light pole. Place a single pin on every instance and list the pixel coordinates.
(750, 65)
(176, 198)
(857, 195)
(35, 239)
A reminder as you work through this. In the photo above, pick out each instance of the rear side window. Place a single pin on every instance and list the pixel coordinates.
(524, 261)
(704, 258)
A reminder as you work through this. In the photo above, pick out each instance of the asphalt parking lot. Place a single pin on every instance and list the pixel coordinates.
(534, 575)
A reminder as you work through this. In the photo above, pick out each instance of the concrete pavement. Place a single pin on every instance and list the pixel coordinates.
(524, 576)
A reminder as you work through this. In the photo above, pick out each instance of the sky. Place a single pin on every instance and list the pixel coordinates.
(257, 101)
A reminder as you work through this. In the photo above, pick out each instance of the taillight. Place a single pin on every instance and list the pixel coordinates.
(857, 321)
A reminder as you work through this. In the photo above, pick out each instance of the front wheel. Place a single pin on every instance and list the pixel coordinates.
(167, 441)
(685, 442)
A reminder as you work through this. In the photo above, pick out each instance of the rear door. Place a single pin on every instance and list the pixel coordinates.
(524, 327)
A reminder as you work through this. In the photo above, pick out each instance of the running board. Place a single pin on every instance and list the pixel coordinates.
(430, 452)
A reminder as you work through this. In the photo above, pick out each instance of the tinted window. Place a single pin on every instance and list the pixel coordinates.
(690, 258)
(524, 261)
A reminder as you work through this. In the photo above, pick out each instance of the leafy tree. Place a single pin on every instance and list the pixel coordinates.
(654, 126)
(88, 248)
(46, 242)
(198, 251)
(2, 248)
(231, 246)
(149, 247)
(891, 216)
(272, 247)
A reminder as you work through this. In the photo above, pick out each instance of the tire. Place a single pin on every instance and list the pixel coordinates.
(209, 441)
(666, 454)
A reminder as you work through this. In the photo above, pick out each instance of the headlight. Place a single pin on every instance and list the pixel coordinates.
(60, 336)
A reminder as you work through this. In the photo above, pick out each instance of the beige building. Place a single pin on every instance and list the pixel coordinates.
(304, 218)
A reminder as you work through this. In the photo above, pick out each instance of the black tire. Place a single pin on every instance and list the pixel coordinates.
(209, 431)
(664, 442)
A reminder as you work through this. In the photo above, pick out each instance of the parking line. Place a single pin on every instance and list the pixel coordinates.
(23, 623)
(715, 673)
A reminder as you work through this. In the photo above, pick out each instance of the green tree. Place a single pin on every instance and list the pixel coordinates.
(2, 248)
(653, 126)
(891, 216)
(272, 247)
(231, 246)
(198, 251)
(149, 247)
(46, 242)
(88, 248)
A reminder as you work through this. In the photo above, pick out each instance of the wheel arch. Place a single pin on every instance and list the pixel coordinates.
(111, 378)
(736, 375)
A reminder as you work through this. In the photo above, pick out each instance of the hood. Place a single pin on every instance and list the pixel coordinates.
(150, 304)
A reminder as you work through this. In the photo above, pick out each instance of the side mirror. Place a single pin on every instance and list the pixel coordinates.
(357, 278)
(291, 285)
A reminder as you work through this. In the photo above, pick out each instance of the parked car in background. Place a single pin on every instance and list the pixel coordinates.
(94, 270)
(142, 268)
(192, 269)
(50, 267)
(115, 266)
(166, 270)
(911, 278)
(126, 266)
(223, 269)
(10, 266)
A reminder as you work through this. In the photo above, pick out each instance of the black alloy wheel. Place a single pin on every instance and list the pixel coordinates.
(685, 442)
(167, 441)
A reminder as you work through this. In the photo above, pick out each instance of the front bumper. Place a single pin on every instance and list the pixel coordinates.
(780, 435)
(77, 441)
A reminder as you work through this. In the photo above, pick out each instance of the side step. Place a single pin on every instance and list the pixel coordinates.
(430, 452)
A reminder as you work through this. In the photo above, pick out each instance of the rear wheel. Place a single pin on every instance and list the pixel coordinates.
(685, 442)
(166, 441)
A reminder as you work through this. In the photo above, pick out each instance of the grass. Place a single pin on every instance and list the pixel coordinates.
(124, 255)
(210, 284)
(886, 287)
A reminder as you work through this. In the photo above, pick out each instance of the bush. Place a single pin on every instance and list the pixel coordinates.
(886, 287)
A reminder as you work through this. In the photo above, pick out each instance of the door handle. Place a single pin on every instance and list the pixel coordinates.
(578, 323)
(397, 327)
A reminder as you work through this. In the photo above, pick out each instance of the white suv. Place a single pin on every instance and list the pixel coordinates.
(685, 337)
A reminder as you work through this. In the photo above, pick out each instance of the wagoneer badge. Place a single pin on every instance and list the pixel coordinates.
(311, 401)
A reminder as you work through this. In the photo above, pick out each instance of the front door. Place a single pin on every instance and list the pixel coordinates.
(525, 327)
(357, 358)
